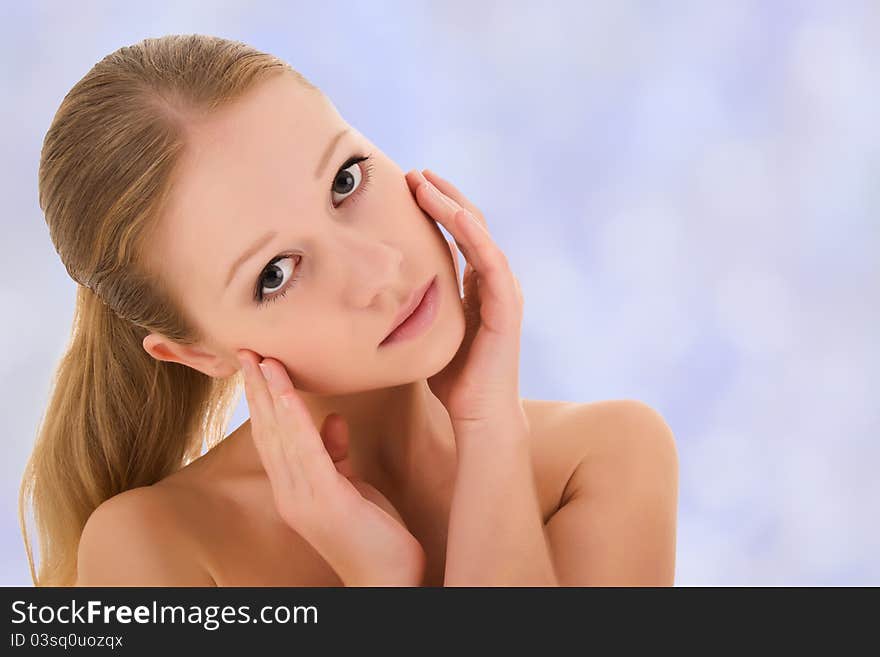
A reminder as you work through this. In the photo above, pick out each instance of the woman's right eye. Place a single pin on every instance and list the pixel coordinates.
(274, 277)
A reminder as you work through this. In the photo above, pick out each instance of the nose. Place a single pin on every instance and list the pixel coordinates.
(374, 268)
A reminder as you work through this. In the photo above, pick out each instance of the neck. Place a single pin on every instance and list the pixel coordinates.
(397, 436)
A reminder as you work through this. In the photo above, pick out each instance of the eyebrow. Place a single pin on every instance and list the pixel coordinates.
(260, 243)
(328, 153)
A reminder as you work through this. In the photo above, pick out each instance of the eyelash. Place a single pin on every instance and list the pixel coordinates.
(367, 171)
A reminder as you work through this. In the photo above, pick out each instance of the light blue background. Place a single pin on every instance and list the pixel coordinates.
(687, 191)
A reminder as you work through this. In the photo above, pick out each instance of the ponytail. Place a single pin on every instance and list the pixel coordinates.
(117, 419)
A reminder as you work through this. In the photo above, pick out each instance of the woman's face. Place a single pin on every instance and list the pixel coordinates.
(277, 241)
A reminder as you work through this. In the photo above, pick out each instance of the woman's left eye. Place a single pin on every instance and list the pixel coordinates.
(350, 178)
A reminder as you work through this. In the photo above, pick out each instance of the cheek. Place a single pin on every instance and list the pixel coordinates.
(329, 364)
(437, 236)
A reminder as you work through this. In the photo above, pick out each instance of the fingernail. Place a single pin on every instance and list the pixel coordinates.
(267, 374)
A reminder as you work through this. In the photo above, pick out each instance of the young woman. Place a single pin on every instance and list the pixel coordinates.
(226, 225)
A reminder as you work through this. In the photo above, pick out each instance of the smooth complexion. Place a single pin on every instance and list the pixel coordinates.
(256, 183)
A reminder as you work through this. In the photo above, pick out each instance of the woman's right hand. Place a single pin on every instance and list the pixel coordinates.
(348, 521)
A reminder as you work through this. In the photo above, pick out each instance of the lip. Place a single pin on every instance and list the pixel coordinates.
(413, 310)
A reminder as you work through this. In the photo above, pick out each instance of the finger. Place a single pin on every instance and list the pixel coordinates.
(259, 398)
(415, 180)
(263, 427)
(446, 211)
(478, 247)
(300, 440)
(412, 180)
(450, 190)
(335, 433)
(497, 295)
(257, 393)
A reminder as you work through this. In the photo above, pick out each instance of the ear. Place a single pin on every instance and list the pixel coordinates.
(195, 356)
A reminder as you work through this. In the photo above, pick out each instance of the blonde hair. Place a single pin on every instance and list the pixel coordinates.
(117, 418)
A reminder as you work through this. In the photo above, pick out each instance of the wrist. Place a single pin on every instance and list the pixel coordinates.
(514, 431)
(403, 567)
(402, 575)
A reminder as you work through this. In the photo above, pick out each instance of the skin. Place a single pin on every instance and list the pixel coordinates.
(360, 261)
(604, 506)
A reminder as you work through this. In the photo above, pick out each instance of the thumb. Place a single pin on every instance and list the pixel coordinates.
(335, 434)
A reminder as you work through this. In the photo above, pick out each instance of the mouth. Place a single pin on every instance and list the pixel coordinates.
(416, 316)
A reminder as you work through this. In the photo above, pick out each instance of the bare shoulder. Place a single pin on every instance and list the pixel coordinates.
(620, 425)
(136, 538)
(600, 425)
(616, 522)
(605, 436)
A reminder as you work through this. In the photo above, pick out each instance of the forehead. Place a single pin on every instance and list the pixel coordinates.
(270, 133)
(245, 168)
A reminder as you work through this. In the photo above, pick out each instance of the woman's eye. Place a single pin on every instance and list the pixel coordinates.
(347, 180)
(275, 276)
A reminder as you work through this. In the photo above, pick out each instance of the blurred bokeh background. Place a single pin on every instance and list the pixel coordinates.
(688, 192)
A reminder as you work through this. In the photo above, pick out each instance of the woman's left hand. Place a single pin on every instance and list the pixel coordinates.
(480, 385)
